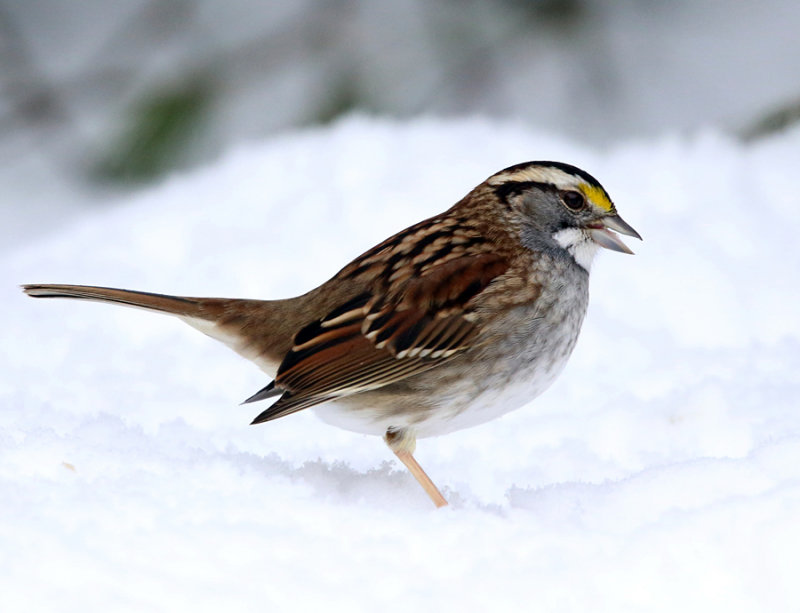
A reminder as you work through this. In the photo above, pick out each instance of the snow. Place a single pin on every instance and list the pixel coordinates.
(661, 472)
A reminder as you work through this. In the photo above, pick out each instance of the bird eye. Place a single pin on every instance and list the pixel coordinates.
(573, 200)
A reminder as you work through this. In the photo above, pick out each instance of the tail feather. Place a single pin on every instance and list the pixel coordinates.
(175, 305)
(260, 330)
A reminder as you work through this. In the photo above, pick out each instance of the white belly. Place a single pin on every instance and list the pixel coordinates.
(490, 403)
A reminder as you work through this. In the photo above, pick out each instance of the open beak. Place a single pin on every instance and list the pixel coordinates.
(602, 235)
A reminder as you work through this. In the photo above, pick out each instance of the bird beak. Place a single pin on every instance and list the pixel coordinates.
(602, 235)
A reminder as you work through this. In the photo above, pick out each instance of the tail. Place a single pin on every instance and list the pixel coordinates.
(259, 330)
(174, 305)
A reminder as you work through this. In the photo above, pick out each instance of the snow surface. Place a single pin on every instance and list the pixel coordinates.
(661, 472)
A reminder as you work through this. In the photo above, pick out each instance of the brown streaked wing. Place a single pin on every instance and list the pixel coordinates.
(374, 341)
(429, 314)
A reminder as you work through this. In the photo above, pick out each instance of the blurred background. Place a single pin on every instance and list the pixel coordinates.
(103, 96)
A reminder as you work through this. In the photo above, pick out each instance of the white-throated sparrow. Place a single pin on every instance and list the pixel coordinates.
(451, 322)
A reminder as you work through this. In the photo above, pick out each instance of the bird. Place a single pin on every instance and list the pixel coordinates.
(450, 323)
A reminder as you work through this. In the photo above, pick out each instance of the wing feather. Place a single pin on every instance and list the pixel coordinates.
(383, 336)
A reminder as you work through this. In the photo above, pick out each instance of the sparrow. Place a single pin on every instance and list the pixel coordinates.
(449, 323)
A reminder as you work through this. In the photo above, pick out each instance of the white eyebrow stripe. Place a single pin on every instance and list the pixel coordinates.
(539, 174)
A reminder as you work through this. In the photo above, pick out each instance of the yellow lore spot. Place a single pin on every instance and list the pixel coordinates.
(597, 196)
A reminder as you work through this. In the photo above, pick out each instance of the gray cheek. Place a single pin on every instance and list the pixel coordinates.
(543, 209)
(542, 217)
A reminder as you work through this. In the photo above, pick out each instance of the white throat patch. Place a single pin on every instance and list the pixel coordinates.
(579, 244)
